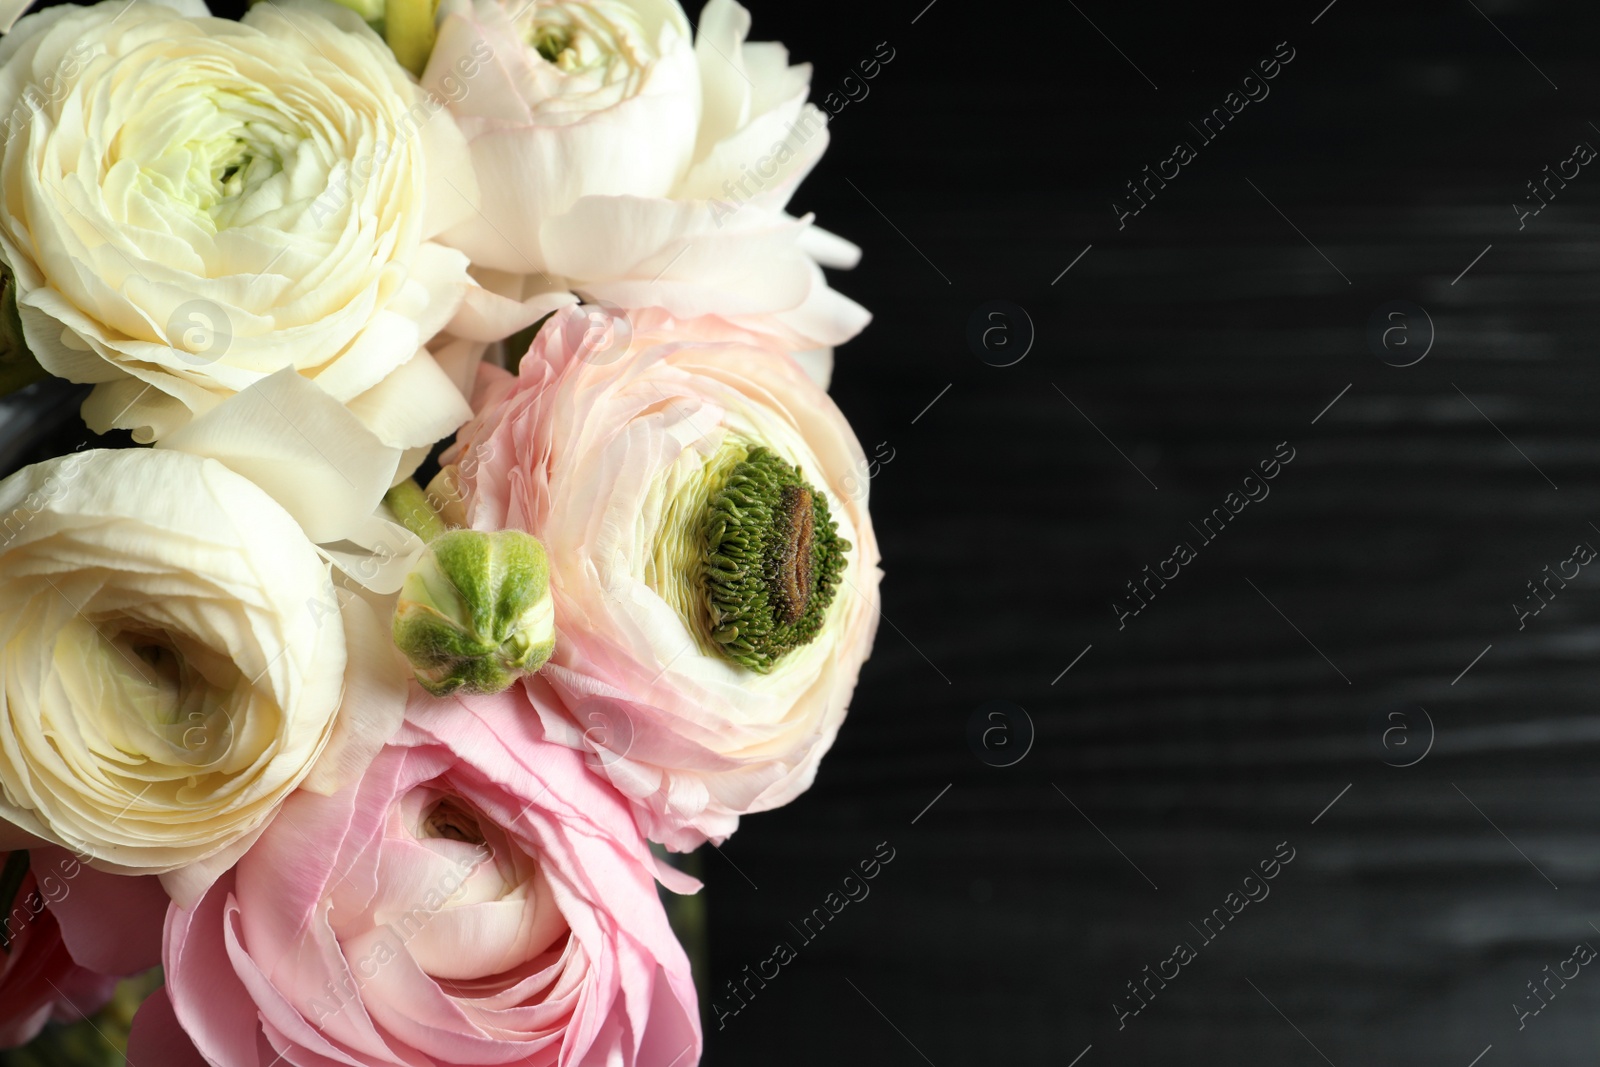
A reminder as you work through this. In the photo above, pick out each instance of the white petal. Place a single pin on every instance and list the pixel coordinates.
(818, 365)
(374, 702)
(308, 452)
(829, 249)
(415, 406)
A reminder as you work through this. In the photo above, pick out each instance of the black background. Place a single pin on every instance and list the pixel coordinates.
(982, 162)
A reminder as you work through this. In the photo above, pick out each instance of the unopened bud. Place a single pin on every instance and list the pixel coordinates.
(371, 10)
(475, 612)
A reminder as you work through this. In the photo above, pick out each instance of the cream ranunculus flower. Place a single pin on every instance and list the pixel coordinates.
(618, 163)
(189, 204)
(174, 661)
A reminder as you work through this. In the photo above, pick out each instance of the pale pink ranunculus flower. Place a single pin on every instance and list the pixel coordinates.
(609, 446)
(622, 161)
(477, 898)
(69, 933)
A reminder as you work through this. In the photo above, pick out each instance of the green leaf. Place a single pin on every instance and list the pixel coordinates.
(18, 368)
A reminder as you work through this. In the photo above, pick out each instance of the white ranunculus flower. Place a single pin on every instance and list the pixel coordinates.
(619, 163)
(578, 98)
(174, 661)
(189, 204)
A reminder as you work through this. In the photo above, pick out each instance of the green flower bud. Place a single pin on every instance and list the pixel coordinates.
(475, 612)
(408, 26)
(371, 10)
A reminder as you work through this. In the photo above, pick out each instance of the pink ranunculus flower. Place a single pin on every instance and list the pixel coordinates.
(69, 932)
(706, 680)
(477, 898)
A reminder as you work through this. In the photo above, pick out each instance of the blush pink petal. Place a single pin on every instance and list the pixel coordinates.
(355, 933)
(202, 991)
(72, 932)
(573, 449)
(111, 923)
(158, 1038)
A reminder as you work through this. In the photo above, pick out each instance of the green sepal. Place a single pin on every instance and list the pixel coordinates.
(475, 612)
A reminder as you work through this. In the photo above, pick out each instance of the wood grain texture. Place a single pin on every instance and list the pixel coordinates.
(1209, 729)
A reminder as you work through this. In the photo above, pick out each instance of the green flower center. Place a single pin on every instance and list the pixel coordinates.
(239, 165)
(770, 561)
(209, 153)
(551, 41)
(604, 41)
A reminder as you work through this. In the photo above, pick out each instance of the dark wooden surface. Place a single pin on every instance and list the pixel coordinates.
(1209, 730)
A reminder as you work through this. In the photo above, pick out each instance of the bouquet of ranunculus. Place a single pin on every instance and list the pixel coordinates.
(467, 515)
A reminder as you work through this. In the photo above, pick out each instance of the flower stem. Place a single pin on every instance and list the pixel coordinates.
(412, 510)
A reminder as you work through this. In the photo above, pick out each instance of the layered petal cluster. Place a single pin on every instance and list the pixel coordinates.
(622, 163)
(68, 933)
(174, 661)
(715, 579)
(189, 204)
(431, 914)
